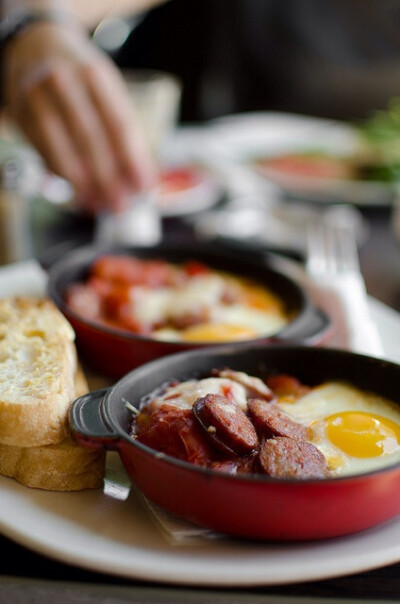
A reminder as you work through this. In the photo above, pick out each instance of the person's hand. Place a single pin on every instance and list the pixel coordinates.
(70, 102)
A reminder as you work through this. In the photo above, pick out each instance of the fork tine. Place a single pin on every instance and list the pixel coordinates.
(331, 242)
(316, 253)
(339, 222)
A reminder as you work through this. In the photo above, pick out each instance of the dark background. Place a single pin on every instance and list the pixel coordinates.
(333, 58)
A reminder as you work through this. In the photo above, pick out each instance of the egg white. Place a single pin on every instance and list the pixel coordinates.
(262, 322)
(165, 303)
(202, 293)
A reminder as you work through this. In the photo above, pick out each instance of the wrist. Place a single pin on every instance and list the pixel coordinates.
(20, 20)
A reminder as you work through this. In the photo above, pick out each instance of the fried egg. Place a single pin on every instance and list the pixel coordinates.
(259, 321)
(357, 431)
(217, 332)
(157, 305)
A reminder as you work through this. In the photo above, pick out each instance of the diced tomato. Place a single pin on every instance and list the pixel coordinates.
(195, 268)
(135, 271)
(118, 310)
(174, 180)
(227, 392)
(287, 386)
(117, 297)
(101, 286)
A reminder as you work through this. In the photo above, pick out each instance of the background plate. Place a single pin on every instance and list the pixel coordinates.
(240, 137)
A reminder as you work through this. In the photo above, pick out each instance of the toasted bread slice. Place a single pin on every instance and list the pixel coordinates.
(62, 467)
(37, 367)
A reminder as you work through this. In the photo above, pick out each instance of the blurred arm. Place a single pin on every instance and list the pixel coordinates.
(70, 101)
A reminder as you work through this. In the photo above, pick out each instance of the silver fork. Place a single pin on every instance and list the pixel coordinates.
(333, 265)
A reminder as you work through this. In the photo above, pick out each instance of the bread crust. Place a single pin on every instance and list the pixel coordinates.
(62, 467)
(65, 466)
(37, 366)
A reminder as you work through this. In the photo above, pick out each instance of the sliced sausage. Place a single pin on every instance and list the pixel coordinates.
(291, 458)
(254, 386)
(226, 424)
(269, 420)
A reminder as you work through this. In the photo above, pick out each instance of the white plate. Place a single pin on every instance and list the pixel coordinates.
(240, 137)
(116, 536)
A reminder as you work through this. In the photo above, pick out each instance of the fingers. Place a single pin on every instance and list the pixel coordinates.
(109, 96)
(78, 118)
(88, 136)
(43, 127)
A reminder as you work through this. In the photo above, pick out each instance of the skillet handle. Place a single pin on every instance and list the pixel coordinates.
(88, 423)
(314, 329)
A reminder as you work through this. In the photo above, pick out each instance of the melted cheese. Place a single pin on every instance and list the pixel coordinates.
(186, 393)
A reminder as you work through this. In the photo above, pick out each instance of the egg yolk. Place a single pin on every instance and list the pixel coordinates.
(217, 332)
(362, 434)
(258, 297)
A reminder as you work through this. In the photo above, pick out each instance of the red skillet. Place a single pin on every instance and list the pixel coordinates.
(256, 507)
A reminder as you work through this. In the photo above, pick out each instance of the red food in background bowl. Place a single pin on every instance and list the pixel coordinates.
(174, 180)
(186, 190)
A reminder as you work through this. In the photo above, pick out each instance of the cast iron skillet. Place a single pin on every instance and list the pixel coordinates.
(250, 506)
(114, 352)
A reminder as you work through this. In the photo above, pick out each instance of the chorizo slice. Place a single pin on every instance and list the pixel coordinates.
(284, 457)
(226, 424)
(269, 420)
(254, 386)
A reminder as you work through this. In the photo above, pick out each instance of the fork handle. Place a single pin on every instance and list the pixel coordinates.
(345, 297)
